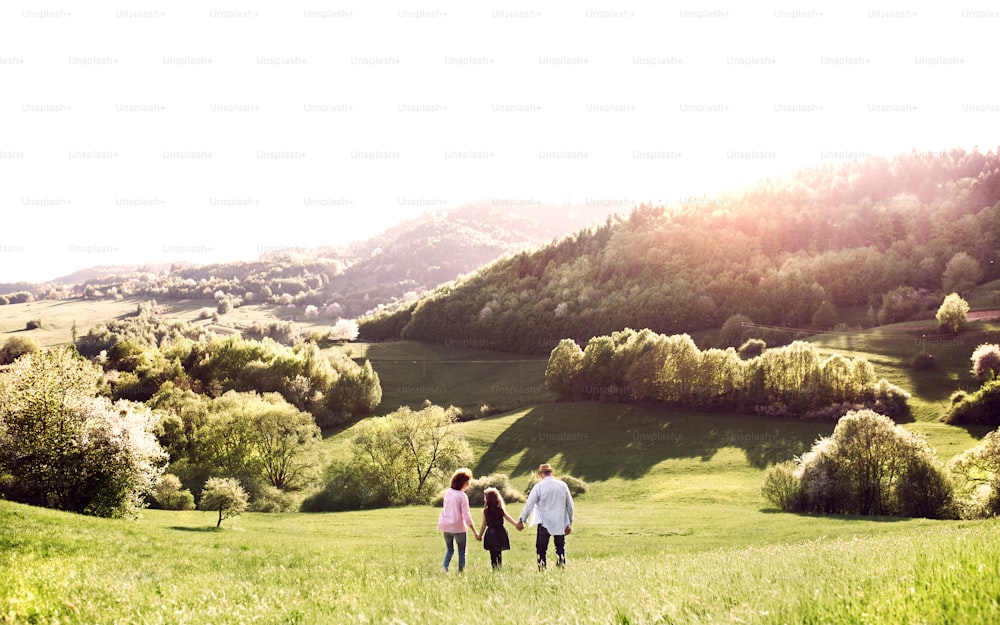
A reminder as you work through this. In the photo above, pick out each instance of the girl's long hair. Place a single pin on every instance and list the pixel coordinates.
(492, 499)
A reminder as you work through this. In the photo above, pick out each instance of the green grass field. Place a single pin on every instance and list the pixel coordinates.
(57, 318)
(446, 375)
(672, 530)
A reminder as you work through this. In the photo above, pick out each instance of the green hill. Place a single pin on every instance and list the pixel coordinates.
(790, 254)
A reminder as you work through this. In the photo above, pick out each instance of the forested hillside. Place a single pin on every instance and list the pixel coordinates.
(887, 234)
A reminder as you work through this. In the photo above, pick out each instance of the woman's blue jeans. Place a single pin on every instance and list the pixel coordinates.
(450, 541)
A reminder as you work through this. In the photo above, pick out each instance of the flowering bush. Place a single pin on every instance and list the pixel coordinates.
(868, 466)
(63, 447)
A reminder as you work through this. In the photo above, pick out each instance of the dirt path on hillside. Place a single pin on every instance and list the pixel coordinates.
(984, 315)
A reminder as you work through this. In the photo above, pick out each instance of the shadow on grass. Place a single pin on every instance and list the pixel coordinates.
(466, 377)
(180, 528)
(975, 431)
(839, 517)
(601, 441)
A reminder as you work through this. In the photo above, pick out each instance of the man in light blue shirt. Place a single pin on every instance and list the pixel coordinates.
(552, 505)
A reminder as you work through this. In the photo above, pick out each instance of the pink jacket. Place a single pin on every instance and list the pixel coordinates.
(455, 514)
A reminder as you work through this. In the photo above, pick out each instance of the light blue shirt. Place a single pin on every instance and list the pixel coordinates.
(552, 504)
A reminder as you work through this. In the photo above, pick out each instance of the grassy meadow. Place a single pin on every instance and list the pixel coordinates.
(691, 557)
(673, 528)
(469, 378)
(58, 316)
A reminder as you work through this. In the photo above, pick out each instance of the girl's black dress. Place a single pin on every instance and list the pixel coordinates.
(496, 538)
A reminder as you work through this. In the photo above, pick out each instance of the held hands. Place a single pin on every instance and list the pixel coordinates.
(520, 526)
(479, 537)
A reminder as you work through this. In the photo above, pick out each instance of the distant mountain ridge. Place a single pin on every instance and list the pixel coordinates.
(410, 257)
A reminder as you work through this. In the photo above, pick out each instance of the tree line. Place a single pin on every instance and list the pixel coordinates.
(142, 352)
(643, 366)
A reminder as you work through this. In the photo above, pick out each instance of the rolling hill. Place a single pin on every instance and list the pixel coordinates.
(825, 241)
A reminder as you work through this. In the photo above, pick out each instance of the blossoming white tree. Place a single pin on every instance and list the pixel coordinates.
(63, 447)
(986, 361)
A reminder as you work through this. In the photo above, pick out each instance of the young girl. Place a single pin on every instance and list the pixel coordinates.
(495, 538)
(454, 518)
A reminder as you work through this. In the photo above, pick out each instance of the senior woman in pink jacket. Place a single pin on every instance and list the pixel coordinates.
(455, 517)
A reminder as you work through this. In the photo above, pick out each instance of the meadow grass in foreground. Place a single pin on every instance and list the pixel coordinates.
(384, 567)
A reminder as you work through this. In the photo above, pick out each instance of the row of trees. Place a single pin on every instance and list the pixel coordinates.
(17, 297)
(780, 253)
(142, 352)
(647, 367)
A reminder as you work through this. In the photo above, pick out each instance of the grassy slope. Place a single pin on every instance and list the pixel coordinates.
(57, 317)
(673, 528)
(466, 377)
(672, 531)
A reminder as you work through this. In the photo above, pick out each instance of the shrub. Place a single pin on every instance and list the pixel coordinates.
(498, 481)
(953, 313)
(986, 361)
(979, 408)
(977, 476)
(732, 331)
(752, 348)
(169, 495)
(871, 466)
(924, 491)
(181, 500)
(924, 361)
(576, 486)
(63, 447)
(888, 399)
(15, 347)
(271, 499)
(983, 502)
(826, 316)
(412, 453)
(782, 488)
(346, 488)
(34, 324)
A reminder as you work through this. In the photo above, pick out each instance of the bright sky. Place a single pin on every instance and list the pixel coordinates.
(207, 131)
